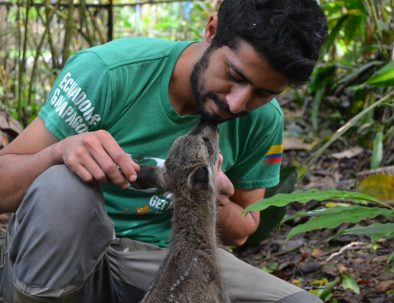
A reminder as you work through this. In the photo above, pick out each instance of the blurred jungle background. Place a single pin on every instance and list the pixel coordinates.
(333, 220)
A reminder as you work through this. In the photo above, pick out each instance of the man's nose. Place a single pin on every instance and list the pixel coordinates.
(238, 99)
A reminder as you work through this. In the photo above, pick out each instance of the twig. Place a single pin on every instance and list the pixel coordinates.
(347, 126)
(352, 245)
(388, 170)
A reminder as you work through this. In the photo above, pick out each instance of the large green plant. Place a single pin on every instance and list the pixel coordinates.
(353, 84)
(175, 20)
(39, 38)
(354, 208)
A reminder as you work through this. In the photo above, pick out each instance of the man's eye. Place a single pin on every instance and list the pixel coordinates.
(265, 95)
(234, 77)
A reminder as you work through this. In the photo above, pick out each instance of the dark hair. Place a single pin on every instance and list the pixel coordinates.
(288, 33)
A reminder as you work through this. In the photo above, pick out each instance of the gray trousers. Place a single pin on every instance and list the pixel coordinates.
(60, 247)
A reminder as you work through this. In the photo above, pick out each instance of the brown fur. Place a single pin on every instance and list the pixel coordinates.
(189, 273)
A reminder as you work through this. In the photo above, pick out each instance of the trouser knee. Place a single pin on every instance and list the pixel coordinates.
(58, 192)
(59, 232)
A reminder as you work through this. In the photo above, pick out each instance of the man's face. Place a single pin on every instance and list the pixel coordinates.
(230, 82)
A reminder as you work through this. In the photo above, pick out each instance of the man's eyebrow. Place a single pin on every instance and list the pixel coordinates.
(246, 79)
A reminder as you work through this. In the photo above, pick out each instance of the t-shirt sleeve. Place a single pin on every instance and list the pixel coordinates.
(260, 149)
(79, 97)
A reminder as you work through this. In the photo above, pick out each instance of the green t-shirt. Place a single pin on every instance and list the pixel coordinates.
(122, 87)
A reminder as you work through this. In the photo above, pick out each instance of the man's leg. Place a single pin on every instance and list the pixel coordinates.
(247, 284)
(56, 240)
(136, 264)
(133, 267)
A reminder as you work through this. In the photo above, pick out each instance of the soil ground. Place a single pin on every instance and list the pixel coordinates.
(317, 258)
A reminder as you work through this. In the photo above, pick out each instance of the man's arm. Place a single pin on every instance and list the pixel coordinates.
(234, 227)
(32, 152)
(92, 156)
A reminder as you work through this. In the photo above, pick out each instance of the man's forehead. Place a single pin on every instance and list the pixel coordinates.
(255, 68)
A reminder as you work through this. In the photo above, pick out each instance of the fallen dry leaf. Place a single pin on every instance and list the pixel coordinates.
(348, 153)
(296, 144)
(385, 285)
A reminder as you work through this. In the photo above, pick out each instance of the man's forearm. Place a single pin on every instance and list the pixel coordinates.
(18, 172)
(234, 227)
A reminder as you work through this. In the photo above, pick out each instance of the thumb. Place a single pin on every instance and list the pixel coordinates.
(220, 161)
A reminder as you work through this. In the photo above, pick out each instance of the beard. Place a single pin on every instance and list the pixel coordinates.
(201, 97)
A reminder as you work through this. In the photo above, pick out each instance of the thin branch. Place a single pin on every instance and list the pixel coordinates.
(69, 29)
(352, 245)
(347, 126)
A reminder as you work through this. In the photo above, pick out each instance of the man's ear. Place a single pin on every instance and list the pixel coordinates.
(210, 30)
(149, 177)
(200, 179)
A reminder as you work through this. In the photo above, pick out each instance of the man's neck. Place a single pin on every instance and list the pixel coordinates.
(180, 89)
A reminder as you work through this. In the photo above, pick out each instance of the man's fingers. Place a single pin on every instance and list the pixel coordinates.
(118, 166)
(223, 200)
(220, 161)
(109, 168)
(128, 167)
(83, 173)
(225, 186)
(124, 163)
(94, 168)
(97, 156)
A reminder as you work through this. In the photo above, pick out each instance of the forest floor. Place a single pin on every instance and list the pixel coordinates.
(315, 259)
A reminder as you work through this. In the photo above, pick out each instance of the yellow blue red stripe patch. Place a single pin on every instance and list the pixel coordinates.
(274, 154)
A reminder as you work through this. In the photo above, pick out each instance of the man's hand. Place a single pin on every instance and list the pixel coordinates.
(225, 186)
(92, 156)
(234, 228)
(97, 156)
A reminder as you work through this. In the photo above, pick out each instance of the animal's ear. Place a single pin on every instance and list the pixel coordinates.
(149, 177)
(200, 178)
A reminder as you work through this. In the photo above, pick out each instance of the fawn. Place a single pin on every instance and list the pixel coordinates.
(190, 272)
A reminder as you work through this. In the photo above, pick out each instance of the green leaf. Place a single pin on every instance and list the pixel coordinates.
(348, 282)
(327, 291)
(309, 195)
(315, 212)
(271, 217)
(334, 33)
(288, 178)
(358, 71)
(390, 258)
(316, 106)
(384, 76)
(374, 231)
(377, 154)
(270, 268)
(333, 217)
(322, 75)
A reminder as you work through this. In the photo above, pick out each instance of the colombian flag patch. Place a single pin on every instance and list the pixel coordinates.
(274, 154)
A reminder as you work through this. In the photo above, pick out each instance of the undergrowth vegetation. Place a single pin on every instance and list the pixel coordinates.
(349, 100)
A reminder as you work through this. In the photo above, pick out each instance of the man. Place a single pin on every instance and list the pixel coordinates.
(121, 105)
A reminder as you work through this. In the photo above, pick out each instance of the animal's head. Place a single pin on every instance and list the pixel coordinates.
(191, 165)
